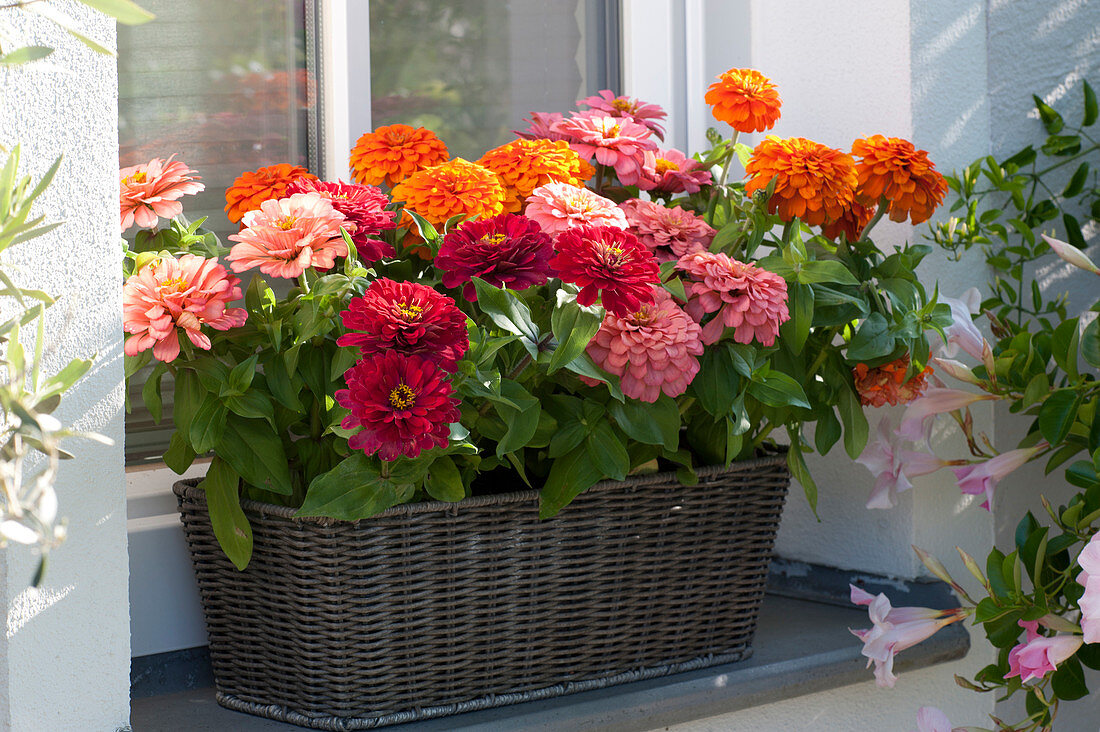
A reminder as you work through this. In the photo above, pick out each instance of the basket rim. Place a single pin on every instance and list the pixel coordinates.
(188, 488)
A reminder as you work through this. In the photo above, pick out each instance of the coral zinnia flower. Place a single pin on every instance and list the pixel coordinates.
(403, 404)
(851, 223)
(391, 154)
(894, 168)
(150, 191)
(557, 207)
(628, 107)
(251, 189)
(506, 251)
(408, 318)
(670, 171)
(608, 262)
(747, 298)
(745, 99)
(888, 384)
(542, 127)
(613, 141)
(449, 189)
(169, 295)
(524, 165)
(812, 181)
(364, 208)
(286, 237)
(652, 350)
(670, 233)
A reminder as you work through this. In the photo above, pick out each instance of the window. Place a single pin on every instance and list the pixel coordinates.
(231, 86)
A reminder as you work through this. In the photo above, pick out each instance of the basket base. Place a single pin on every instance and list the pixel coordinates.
(346, 724)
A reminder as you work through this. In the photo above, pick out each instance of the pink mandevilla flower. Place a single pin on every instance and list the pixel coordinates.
(931, 719)
(286, 237)
(149, 191)
(1071, 254)
(962, 333)
(169, 295)
(979, 479)
(894, 630)
(669, 233)
(935, 400)
(747, 298)
(1039, 654)
(1089, 578)
(557, 207)
(670, 171)
(893, 466)
(612, 141)
(622, 106)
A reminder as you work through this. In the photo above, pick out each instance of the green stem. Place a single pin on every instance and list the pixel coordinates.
(727, 160)
(883, 204)
(1067, 161)
(762, 434)
(303, 283)
(599, 178)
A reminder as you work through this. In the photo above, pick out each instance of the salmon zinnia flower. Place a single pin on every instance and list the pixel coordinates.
(889, 383)
(286, 237)
(251, 189)
(401, 404)
(745, 99)
(391, 154)
(149, 191)
(607, 262)
(893, 168)
(652, 350)
(670, 233)
(813, 182)
(557, 207)
(170, 295)
(524, 165)
(747, 298)
(364, 208)
(506, 251)
(450, 189)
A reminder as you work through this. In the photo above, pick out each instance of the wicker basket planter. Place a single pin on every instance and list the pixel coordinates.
(433, 609)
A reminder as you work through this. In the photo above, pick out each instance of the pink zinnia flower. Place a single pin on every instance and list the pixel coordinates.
(286, 237)
(169, 295)
(745, 297)
(505, 250)
(895, 629)
(1039, 654)
(623, 106)
(653, 350)
(542, 126)
(149, 191)
(893, 466)
(364, 209)
(670, 233)
(557, 207)
(670, 171)
(1089, 578)
(935, 400)
(612, 141)
(981, 478)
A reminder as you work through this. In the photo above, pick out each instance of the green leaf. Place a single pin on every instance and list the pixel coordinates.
(779, 390)
(444, 482)
(208, 424)
(1068, 681)
(351, 491)
(825, 270)
(1051, 119)
(872, 340)
(150, 391)
(1077, 182)
(854, 421)
(256, 453)
(521, 421)
(69, 25)
(26, 54)
(278, 381)
(827, 431)
(1062, 145)
(230, 525)
(1064, 346)
(251, 404)
(718, 383)
(607, 451)
(187, 396)
(124, 11)
(797, 465)
(1091, 110)
(1090, 344)
(1057, 415)
(573, 327)
(584, 366)
(800, 302)
(179, 454)
(651, 424)
(570, 475)
(508, 312)
(240, 378)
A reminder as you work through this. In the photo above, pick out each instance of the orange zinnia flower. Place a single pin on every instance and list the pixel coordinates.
(813, 182)
(851, 223)
(391, 154)
(887, 384)
(745, 99)
(894, 168)
(524, 165)
(449, 189)
(253, 188)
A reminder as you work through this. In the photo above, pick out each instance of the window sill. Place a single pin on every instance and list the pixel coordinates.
(779, 669)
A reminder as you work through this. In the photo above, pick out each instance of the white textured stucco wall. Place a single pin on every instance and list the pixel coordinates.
(65, 660)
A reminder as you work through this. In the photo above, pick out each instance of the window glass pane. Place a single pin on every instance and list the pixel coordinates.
(470, 70)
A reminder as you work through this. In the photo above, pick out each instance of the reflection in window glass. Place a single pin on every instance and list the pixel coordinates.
(470, 70)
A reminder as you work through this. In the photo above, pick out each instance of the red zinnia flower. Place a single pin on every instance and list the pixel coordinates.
(608, 262)
(408, 318)
(404, 404)
(505, 251)
(365, 209)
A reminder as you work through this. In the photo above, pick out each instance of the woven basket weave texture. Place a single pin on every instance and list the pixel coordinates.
(433, 608)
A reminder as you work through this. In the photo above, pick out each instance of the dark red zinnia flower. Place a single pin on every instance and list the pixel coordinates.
(506, 251)
(403, 404)
(408, 318)
(609, 262)
(365, 209)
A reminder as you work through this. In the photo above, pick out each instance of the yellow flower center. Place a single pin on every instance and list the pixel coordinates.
(613, 131)
(287, 223)
(408, 311)
(623, 105)
(663, 166)
(609, 256)
(402, 397)
(138, 177)
(495, 240)
(177, 285)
